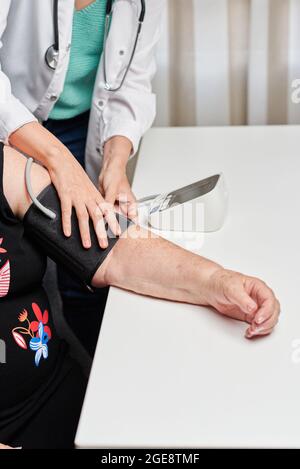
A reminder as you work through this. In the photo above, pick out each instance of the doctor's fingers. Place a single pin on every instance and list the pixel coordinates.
(128, 205)
(132, 212)
(83, 214)
(83, 222)
(66, 213)
(104, 212)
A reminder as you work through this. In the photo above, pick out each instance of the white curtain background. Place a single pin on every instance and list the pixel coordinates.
(228, 62)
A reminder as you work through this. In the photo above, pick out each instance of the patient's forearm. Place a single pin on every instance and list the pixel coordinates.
(155, 267)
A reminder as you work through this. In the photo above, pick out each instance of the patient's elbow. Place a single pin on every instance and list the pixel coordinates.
(103, 275)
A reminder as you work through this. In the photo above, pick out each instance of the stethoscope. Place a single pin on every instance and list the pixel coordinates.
(52, 53)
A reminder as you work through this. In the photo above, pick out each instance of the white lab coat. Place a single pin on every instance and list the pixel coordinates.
(29, 89)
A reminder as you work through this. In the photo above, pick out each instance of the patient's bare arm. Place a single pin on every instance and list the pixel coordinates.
(150, 265)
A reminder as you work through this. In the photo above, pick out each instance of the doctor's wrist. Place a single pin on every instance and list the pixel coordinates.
(117, 151)
(35, 140)
(57, 157)
(115, 159)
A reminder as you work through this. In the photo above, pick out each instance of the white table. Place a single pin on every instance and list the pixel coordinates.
(175, 375)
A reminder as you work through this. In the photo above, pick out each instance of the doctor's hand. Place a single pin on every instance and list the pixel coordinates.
(4, 447)
(245, 298)
(75, 189)
(113, 181)
(73, 185)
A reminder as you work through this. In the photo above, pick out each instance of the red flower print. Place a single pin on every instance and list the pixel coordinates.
(37, 331)
(34, 325)
(4, 279)
(4, 274)
(23, 316)
(2, 251)
(19, 339)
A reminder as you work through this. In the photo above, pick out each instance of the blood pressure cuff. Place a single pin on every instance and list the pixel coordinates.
(48, 234)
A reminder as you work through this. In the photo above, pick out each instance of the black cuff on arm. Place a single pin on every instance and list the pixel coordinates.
(69, 252)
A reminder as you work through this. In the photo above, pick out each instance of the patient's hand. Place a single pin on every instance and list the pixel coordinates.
(245, 298)
(4, 447)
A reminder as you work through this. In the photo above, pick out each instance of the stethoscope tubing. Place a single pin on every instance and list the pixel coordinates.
(52, 53)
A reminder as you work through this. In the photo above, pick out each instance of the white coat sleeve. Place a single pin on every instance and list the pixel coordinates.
(131, 110)
(13, 114)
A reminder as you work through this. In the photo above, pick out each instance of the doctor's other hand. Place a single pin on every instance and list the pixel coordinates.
(113, 181)
(4, 447)
(244, 298)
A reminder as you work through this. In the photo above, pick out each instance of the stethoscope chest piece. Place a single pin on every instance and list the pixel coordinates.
(51, 57)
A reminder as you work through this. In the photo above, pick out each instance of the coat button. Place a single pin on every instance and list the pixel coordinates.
(53, 97)
(101, 103)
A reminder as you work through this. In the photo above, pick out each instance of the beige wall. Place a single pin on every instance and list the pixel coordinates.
(228, 62)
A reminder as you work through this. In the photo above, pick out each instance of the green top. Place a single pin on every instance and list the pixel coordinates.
(86, 50)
